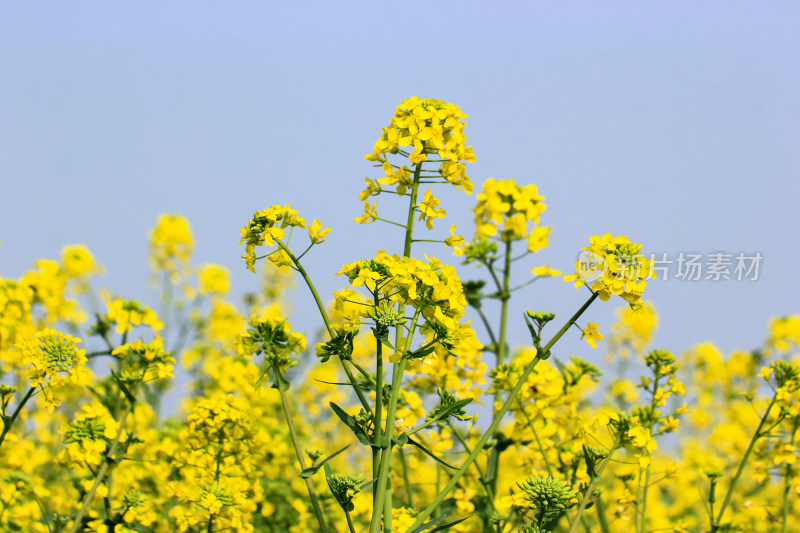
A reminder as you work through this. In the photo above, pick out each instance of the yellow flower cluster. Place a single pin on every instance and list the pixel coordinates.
(171, 245)
(431, 127)
(128, 313)
(218, 484)
(269, 224)
(613, 265)
(507, 208)
(214, 280)
(89, 434)
(52, 356)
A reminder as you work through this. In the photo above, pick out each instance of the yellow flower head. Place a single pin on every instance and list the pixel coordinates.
(613, 265)
(505, 207)
(214, 280)
(171, 244)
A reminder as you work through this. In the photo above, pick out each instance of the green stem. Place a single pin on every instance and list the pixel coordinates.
(7, 424)
(481, 476)
(499, 416)
(587, 495)
(494, 457)
(298, 452)
(350, 521)
(642, 520)
(325, 319)
(311, 287)
(787, 483)
(729, 495)
(412, 205)
(386, 453)
(601, 515)
(536, 436)
(101, 473)
(378, 418)
(504, 297)
(406, 481)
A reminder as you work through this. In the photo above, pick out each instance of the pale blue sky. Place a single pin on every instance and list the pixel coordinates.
(677, 123)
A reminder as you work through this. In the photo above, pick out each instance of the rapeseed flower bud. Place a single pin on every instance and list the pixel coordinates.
(273, 337)
(547, 494)
(344, 487)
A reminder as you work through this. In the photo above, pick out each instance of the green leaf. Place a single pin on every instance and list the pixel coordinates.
(361, 384)
(383, 336)
(401, 441)
(426, 525)
(430, 454)
(310, 471)
(534, 335)
(419, 354)
(443, 527)
(452, 407)
(448, 525)
(350, 422)
(130, 397)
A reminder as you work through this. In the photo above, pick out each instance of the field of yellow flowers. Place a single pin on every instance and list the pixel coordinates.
(375, 427)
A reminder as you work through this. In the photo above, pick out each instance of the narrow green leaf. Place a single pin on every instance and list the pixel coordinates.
(430, 454)
(310, 471)
(350, 422)
(452, 407)
(448, 525)
(426, 525)
(534, 335)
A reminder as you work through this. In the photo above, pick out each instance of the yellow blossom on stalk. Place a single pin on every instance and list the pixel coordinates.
(89, 433)
(545, 271)
(316, 233)
(507, 207)
(373, 189)
(785, 454)
(266, 226)
(214, 280)
(428, 209)
(633, 330)
(128, 313)
(171, 244)
(429, 126)
(370, 214)
(591, 334)
(142, 362)
(51, 355)
(454, 241)
(640, 438)
(784, 333)
(49, 286)
(432, 288)
(537, 240)
(78, 261)
(613, 265)
(16, 320)
(426, 127)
